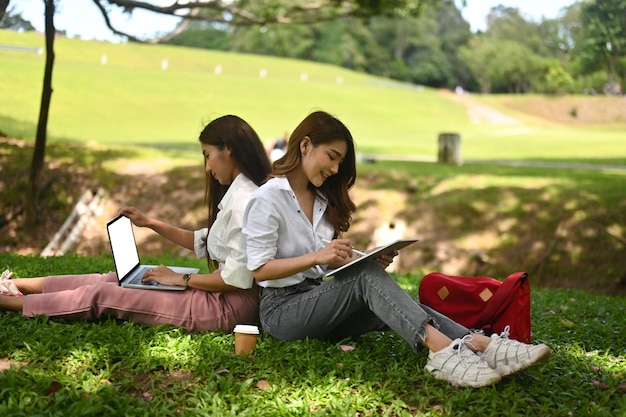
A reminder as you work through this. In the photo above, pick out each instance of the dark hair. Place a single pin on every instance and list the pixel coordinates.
(247, 152)
(320, 127)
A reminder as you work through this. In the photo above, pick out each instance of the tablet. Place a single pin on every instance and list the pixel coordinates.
(383, 250)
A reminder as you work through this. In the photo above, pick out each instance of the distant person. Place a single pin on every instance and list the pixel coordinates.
(276, 149)
(288, 223)
(236, 164)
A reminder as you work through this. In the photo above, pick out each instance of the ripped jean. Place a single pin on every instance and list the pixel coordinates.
(361, 299)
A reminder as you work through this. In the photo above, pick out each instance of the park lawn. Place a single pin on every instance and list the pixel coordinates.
(53, 368)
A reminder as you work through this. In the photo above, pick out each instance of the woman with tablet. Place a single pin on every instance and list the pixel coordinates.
(236, 164)
(286, 223)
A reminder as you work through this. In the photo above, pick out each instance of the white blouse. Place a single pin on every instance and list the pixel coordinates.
(225, 243)
(275, 227)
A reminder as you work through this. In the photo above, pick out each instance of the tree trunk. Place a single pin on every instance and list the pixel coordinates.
(4, 4)
(449, 149)
(36, 165)
(611, 73)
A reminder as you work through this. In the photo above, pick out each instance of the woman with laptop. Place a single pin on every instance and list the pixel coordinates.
(235, 164)
(293, 226)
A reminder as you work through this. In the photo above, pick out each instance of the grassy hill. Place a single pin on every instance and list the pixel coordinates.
(145, 94)
(132, 99)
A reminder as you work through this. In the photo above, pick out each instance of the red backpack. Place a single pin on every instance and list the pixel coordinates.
(481, 303)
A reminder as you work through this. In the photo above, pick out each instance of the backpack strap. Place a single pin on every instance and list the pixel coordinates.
(499, 297)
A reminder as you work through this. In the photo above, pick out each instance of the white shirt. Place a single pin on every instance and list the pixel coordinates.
(276, 227)
(225, 243)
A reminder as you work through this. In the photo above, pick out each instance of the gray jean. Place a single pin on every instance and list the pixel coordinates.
(361, 299)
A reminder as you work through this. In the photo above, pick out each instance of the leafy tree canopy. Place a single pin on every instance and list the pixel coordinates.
(14, 21)
(261, 12)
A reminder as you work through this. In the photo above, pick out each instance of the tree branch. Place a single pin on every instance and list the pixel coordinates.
(284, 12)
(4, 4)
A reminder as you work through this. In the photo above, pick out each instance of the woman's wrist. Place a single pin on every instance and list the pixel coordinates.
(153, 224)
(186, 278)
(313, 262)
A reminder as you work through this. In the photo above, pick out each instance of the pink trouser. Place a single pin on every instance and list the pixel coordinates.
(94, 296)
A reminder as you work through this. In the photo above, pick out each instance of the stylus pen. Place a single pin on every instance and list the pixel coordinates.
(358, 252)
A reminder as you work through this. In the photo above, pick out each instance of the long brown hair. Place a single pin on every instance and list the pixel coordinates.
(247, 152)
(323, 128)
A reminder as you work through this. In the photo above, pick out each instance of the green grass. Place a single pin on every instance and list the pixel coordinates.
(111, 368)
(130, 100)
(563, 226)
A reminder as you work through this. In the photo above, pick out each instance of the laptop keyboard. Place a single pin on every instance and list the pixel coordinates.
(136, 278)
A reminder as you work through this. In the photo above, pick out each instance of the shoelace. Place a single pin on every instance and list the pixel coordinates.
(468, 355)
(506, 332)
(504, 337)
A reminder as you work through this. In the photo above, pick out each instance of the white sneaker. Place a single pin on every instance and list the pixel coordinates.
(461, 366)
(508, 356)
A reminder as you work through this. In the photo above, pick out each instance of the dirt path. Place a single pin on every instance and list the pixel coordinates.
(482, 114)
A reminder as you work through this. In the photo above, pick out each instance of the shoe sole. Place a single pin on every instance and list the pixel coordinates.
(438, 374)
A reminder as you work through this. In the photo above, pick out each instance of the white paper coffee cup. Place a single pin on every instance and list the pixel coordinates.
(245, 338)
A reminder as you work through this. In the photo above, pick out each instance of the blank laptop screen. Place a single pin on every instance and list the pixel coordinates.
(123, 245)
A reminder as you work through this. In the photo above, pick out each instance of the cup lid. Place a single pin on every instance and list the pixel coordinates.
(248, 329)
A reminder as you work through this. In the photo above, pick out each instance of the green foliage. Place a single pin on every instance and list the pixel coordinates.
(502, 65)
(115, 368)
(558, 81)
(478, 55)
(14, 21)
(209, 38)
(507, 24)
(374, 44)
(604, 24)
(431, 46)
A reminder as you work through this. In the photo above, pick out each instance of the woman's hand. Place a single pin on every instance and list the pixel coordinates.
(386, 259)
(135, 216)
(336, 253)
(163, 275)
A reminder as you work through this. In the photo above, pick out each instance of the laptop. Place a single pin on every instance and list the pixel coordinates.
(383, 250)
(126, 258)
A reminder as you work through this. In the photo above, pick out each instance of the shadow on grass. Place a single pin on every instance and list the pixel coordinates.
(20, 129)
(83, 368)
(565, 227)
